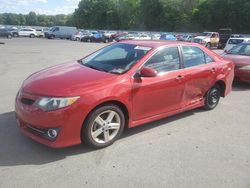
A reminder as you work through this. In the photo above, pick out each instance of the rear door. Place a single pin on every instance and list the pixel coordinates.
(22, 32)
(200, 74)
(152, 96)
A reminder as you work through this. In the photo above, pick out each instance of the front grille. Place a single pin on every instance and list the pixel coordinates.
(27, 101)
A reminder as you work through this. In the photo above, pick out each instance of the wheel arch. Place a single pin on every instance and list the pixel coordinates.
(222, 86)
(121, 105)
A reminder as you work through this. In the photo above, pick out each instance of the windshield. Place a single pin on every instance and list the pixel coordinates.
(235, 41)
(241, 49)
(116, 58)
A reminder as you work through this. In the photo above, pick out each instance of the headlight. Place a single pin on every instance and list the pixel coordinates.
(52, 103)
(247, 67)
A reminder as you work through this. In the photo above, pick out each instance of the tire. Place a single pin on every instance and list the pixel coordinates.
(208, 45)
(78, 39)
(32, 35)
(88, 40)
(9, 36)
(106, 40)
(15, 35)
(98, 131)
(52, 37)
(212, 98)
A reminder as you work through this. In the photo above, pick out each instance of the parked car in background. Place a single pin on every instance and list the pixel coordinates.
(168, 36)
(240, 56)
(155, 36)
(235, 41)
(27, 32)
(79, 35)
(96, 36)
(126, 84)
(40, 32)
(62, 32)
(225, 34)
(6, 33)
(142, 37)
(208, 39)
(14, 31)
(187, 38)
(110, 34)
(126, 37)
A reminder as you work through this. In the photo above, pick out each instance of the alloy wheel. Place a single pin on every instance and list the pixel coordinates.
(105, 127)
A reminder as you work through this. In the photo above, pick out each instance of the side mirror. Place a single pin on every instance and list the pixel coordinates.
(148, 72)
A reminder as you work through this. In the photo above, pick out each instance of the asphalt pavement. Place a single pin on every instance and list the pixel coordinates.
(195, 149)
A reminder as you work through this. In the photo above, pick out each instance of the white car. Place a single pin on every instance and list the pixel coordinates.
(156, 36)
(142, 37)
(27, 32)
(234, 41)
(40, 32)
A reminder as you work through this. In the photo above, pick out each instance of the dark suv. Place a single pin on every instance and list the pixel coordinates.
(6, 33)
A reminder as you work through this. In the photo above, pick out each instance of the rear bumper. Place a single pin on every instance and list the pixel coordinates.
(242, 75)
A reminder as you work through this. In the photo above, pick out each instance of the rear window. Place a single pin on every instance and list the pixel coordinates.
(235, 41)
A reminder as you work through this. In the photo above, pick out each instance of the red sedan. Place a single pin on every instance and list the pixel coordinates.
(240, 55)
(122, 85)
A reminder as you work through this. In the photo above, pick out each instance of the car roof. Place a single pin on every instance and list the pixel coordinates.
(156, 44)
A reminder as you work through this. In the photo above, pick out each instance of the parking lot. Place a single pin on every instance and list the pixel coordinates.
(193, 149)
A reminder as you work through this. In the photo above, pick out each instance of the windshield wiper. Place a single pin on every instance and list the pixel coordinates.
(93, 67)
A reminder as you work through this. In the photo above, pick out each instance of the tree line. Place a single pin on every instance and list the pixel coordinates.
(151, 15)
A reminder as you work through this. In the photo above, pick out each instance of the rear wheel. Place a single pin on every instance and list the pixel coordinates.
(9, 36)
(88, 40)
(212, 98)
(32, 35)
(103, 126)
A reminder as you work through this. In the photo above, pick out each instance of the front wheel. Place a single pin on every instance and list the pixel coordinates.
(212, 98)
(208, 45)
(32, 35)
(103, 126)
(9, 36)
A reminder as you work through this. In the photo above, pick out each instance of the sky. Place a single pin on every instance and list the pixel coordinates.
(49, 7)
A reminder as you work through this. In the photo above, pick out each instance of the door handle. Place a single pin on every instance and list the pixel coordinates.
(179, 77)
(213, 70)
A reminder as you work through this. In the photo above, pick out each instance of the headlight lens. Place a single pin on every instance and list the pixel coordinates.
(245, 68)
(53, 103)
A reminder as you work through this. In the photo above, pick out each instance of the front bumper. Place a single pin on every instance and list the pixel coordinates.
(35, 123)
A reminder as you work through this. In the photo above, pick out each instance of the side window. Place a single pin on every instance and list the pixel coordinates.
(208, 58)
(165, 60)
(56, 29)
(192, 56)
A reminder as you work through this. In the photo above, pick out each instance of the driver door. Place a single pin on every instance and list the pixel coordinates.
(153, 96)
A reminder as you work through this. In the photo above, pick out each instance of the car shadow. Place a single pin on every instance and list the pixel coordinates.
(240, 86)
(17, 149)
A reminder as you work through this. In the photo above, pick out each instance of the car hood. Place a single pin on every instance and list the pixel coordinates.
(239, 60)
(70, 79)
